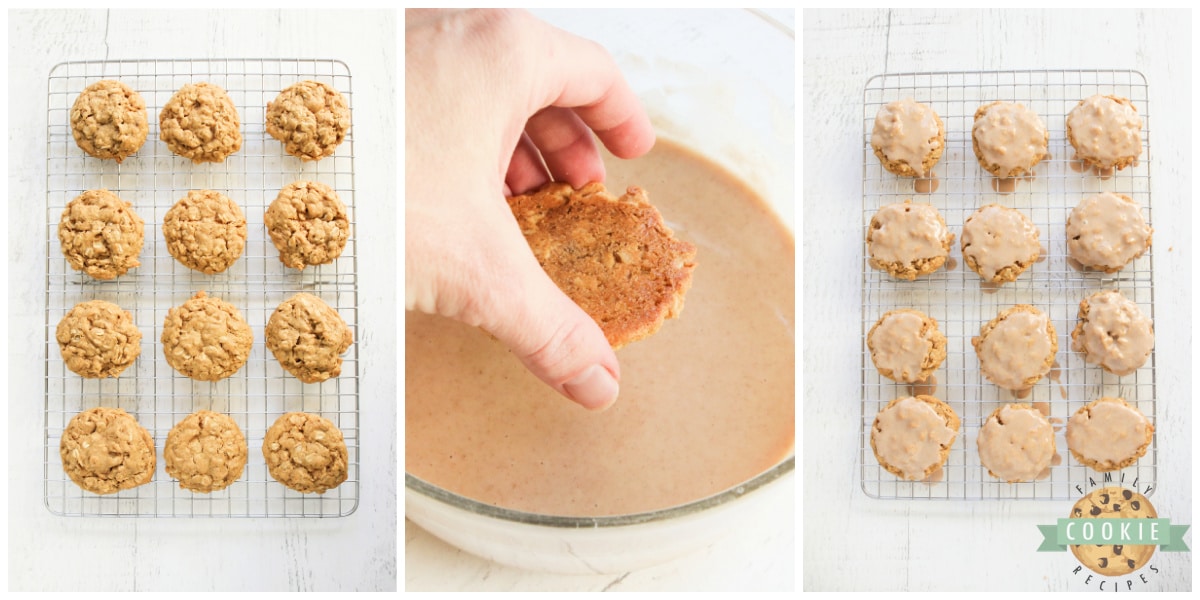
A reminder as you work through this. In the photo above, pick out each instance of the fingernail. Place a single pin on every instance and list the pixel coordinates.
(594, 388)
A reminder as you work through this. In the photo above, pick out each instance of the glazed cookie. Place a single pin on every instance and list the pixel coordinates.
(206, 451)
(100, 234)
(1113, 332)
(906, 345)
(615, 257)
(108, 120)
(200, 122)
(1016, 443)
(1009, 139)
(98, 339)
(205, 231)
(104, 450)
(999, 243)
(1108, 434)
(206, 338)
(908, 138)
(1113, 503)
(1017, 347)
(307, 223)
(908, 240)
(1106, 231)
(308, 337)
(310, 118)
(1105, 131)
(912, 436)
(306, 452)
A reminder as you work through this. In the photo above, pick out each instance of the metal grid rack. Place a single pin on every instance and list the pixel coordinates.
(961, 305)
(150, 390)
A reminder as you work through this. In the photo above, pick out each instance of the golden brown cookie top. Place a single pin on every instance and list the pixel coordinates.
(104, 450)
(1106, 231)
(307, 337)
(907, 132)
(205, 451)
(200, 122)
(98, 339)
(306, 452)
(913, 434)
(1016, 443)
(310, 117)
(1113, 503)
(100, 234)
(1108, 434)
(206, 338)
(205, 231)
(1105, 131)
(307, 223)
(109, 120)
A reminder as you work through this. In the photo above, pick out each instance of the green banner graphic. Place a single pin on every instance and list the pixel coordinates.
(1125, 532)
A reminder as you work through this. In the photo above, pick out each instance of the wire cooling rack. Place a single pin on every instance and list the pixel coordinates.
(961, 305)
(150, 390)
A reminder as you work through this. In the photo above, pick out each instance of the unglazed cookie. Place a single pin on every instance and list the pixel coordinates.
(1113, 503)
(310, 118)
(100, 234)
(308, 337)
(912, 436)
(906, 345)
(205, 231)
(1017, 347)
(999, 243)
(104, 450)
(908, 137)
(200, 122)
(1108, 434)
(1113, 333)
(1016, 443)
(908, 240)
(615, 257)
(205, 451)
(1106, 231)
(1105, 131)
(98, 339)
(306, 452)
(206, 338)
(1009, 139)
(307, 223)
(108, 120)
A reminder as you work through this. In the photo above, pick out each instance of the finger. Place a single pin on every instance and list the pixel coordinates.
(525, 171)
(567, 146)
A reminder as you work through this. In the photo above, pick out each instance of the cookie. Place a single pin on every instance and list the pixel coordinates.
(615, 257)
(306, 452)
(205, 451)
(1106, 231)
(1017, 347)
(308, 337)
(98, 339)
(1016, 443)
(1105, 131)
(1113, 333)
(906, 345)
(1113, 503)
(908, 240)
(999, 243)
(104, 450)
(1108, 434)
(205, 231)
(1009, 139)
(109, 120)
(307, 223)
(100, 234)
(908, 138)
(200, 122)
(912, 436)
(206, 338)
(310, 118)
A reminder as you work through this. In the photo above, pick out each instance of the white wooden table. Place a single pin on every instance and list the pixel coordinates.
(357, 552)
(852, 542)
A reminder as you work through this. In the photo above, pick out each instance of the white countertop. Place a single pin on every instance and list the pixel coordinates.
(852, 542)
(357, 552)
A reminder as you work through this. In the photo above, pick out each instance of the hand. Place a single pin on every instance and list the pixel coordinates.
(498, 103)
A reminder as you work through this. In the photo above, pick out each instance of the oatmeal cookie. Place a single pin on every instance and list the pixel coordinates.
(1017, 347)
(206, 338)
(1113, 332)
(205, 231)
(615, 257)
(310, 118)
(205, 451)
(308, 337)
(1106, 231)
(98, 339)
(999, 243)
(906, 345)
(1105, 131)
(1009, 139)
(912, 436)
(908, 137)
(1108, 434)
(306, 452)
(200, 122)
(307, 223)
(101, 235)
(908, 240)
(1113, 503)
(104, 450)
(108, 120)
(1016, 443)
